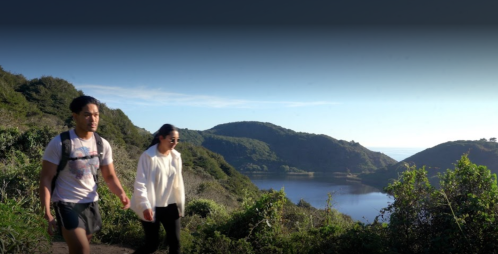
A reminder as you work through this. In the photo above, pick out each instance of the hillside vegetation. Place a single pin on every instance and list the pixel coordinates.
(265, 147)
(225, 212)
(45, 102)
(32, 112)
(437, 160)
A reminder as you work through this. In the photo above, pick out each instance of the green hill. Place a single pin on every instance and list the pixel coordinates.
(33, 111)
(257, 146)
(45, 102)
(438, 159)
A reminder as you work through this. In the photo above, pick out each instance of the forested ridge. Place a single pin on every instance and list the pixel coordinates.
(225, 212)
(265, 147)
(438, 159)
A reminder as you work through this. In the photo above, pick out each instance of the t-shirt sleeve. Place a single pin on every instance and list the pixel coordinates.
(107, 153)
(53, 151)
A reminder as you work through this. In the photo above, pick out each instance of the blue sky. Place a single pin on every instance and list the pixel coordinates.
(381, 86)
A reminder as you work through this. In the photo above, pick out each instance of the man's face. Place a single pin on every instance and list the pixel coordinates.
(88, 118)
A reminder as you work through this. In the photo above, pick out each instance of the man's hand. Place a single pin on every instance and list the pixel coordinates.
(125, 201)
(114, 185)
(52, 224)
(148, 216)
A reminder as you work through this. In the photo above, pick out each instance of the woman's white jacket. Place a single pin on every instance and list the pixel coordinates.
(144, 196)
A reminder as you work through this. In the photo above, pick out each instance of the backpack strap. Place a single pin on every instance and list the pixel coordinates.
(66, 153)
(100, 152)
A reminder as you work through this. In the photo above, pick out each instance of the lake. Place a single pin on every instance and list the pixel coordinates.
(361, 202)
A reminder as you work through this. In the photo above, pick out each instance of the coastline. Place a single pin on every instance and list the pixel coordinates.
(336, 175)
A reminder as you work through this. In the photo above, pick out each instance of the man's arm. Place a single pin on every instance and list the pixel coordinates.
(46, 175)
(114, 185)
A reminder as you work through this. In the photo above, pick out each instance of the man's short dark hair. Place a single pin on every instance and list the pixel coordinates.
(78, 103)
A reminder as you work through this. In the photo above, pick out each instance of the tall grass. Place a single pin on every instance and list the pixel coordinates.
(22, 227)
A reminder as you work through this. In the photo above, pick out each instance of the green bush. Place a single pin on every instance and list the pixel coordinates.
(467, 219)
(411, 211)
(8, 139)
(257, 224)
(362, 238)
(219, 243)
(21, 230)
(303, 203)
(118, 225)
(205, 207)
(458, 218)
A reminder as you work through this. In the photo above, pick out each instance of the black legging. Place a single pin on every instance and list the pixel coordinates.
(169, 217)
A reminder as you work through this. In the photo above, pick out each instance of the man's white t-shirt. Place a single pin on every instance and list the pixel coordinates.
(75, 182)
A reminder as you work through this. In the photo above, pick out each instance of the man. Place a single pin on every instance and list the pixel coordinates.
(75, 193)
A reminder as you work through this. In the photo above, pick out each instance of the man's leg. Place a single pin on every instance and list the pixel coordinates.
(77, 223)
(68, 220)
(77, 240)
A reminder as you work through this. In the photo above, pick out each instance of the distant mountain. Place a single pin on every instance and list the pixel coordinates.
(438, 159)
(258, 146)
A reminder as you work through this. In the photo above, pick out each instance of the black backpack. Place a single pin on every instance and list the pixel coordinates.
(66, 152)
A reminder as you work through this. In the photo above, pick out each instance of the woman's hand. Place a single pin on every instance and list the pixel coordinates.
(148, 216)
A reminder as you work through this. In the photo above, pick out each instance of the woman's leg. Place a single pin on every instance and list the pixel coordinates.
(171, 223)
(151, 230)
(172, 228)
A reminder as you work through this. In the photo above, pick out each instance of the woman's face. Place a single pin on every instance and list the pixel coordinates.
(169, 142)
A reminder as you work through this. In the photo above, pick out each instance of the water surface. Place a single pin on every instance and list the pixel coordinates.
(361, 202)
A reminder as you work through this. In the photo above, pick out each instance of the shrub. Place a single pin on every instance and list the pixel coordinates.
(303, 203)
(118, 225)
(258, 224)
(458, 218)
(205, 207)
(219, 243)
(22, 236)
(8, 138)
(411, 212)
(466, 220)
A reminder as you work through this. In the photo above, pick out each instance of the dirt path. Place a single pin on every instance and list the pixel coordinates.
(61, 248)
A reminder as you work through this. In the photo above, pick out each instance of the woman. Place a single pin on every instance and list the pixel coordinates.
(159, 196)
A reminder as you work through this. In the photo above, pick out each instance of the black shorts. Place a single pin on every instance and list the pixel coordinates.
(78, 215)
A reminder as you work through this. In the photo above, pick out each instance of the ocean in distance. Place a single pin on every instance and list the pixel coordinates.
(361, 202)
(397, 153)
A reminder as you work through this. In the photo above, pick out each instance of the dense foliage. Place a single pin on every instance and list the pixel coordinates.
(207, 177)
(437, 159)
(460, 217)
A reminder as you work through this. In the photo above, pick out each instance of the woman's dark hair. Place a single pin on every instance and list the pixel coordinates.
(164, 131)
(78, 103)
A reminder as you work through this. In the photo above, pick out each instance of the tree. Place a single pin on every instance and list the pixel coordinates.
(410, 213)
(460, 217)
(492, 140)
